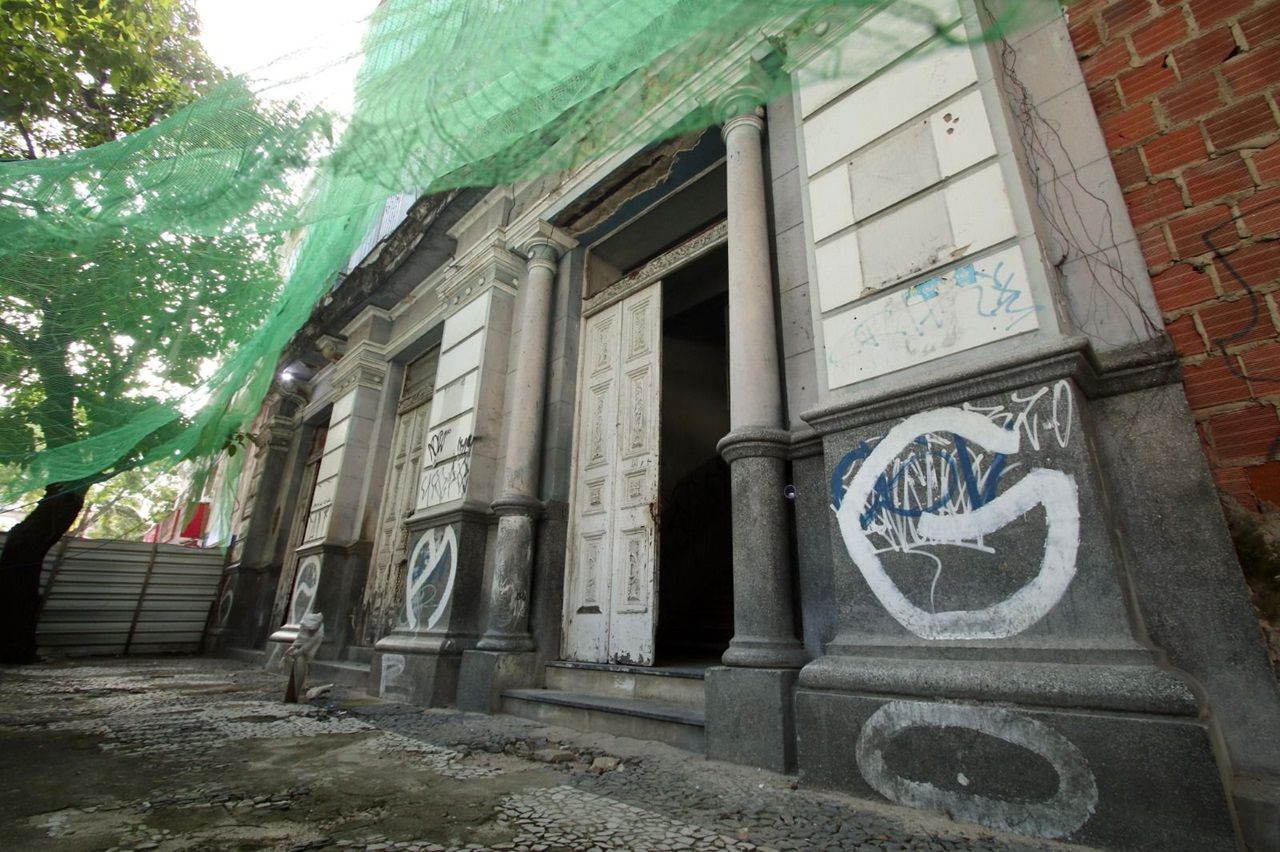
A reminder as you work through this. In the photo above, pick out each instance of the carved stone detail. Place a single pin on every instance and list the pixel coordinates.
(691, 249)
(413, 400)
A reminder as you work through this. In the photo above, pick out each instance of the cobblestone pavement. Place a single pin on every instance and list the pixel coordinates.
(200, 755)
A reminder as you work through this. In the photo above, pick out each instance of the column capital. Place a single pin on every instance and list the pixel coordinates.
(745, 97)
(543, 243)
(365, 366)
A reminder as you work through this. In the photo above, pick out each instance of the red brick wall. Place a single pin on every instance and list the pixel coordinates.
(1187, 94)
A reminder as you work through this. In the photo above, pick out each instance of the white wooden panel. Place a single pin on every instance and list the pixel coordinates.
(839, 272)
(876, 42)
(979, 209)
(961, 134)
(446, 463)
(892, 169)
(342, 408)
(864, 115)
(589, 557)
(456, 397)
(972, 304)
(633, 618)
(466, 321)
(906, 241)
(461, 359)
(831, 203)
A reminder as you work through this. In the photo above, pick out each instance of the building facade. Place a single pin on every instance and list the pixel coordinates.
(855, 415)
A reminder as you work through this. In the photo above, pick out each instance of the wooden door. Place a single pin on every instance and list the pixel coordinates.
(611, 586)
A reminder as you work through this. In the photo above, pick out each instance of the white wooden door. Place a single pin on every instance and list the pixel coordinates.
(611, 587)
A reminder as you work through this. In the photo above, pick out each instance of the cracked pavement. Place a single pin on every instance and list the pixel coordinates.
(198, 755)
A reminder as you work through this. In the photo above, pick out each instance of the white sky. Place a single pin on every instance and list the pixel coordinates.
(250, 36)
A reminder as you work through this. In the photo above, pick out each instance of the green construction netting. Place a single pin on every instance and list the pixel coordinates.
(147, 286)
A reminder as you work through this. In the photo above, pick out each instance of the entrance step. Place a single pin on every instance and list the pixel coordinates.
(666, 705)
(673, 724)
(680, 686)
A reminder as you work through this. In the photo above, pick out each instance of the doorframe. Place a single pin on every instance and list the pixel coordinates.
(651, 272)
(660, 267)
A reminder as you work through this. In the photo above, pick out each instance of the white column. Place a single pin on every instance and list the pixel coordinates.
(518, 509)
(756, 391)
(757, 447)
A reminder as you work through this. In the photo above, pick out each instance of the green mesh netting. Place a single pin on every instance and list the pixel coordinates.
(147, 286)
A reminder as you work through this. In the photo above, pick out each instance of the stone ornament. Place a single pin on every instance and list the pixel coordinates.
(298, 656)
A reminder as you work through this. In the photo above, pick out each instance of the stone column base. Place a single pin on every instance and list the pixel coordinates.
(751, 718)
(1116, 779)
(485, 674)
(763, 631)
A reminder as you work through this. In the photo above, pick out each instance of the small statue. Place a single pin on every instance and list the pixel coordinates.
(298, 656)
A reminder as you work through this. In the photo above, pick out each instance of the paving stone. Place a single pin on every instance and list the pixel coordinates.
(634, 796)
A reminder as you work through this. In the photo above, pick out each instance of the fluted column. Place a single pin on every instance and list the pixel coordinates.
(757, 445)
(518, 509)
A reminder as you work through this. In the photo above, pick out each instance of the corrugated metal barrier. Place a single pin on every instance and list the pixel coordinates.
(124, 597)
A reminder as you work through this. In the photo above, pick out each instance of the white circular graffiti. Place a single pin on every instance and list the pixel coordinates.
(305, 588)
(225, 603)
(1054, 490)
(432, 567)
(1064, 812)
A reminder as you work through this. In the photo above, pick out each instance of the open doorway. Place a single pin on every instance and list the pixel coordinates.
(695, 564)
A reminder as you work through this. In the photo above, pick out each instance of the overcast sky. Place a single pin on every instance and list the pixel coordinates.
(248, 36)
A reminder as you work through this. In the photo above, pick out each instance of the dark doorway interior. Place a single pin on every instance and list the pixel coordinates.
(695, 565)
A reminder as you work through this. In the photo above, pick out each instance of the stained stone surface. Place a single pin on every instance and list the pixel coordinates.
(196, 755)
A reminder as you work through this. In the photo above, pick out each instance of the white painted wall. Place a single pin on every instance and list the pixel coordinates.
(446, 469)
(914, 242)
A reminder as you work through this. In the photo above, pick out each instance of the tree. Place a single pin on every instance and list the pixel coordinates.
(126, 506)
(78, 73)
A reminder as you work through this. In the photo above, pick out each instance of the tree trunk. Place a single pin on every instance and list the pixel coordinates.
(24, 551)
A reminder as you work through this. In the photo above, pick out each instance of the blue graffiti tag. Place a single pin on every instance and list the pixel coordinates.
(1006, 298)
(959, 462)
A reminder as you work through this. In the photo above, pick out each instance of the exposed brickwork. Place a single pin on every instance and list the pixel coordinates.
(1187, 94)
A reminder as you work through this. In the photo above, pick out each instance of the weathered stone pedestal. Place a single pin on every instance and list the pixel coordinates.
(1121, 780)
(485, 674)
(328, 581)
(991, 659)
(419, 661)
(236, 623)
(751, 716)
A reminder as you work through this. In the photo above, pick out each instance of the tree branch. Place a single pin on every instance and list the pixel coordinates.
(26, 135)
(16, 337)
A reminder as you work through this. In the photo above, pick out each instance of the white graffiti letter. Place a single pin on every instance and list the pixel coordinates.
(1064, 812)
(432, 567)
(1054, 490)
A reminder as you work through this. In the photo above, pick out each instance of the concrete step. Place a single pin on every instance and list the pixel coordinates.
(673, 724)
(682, 686)
(338, 671)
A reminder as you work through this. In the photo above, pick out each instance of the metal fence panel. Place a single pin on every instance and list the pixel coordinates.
(116, 597)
